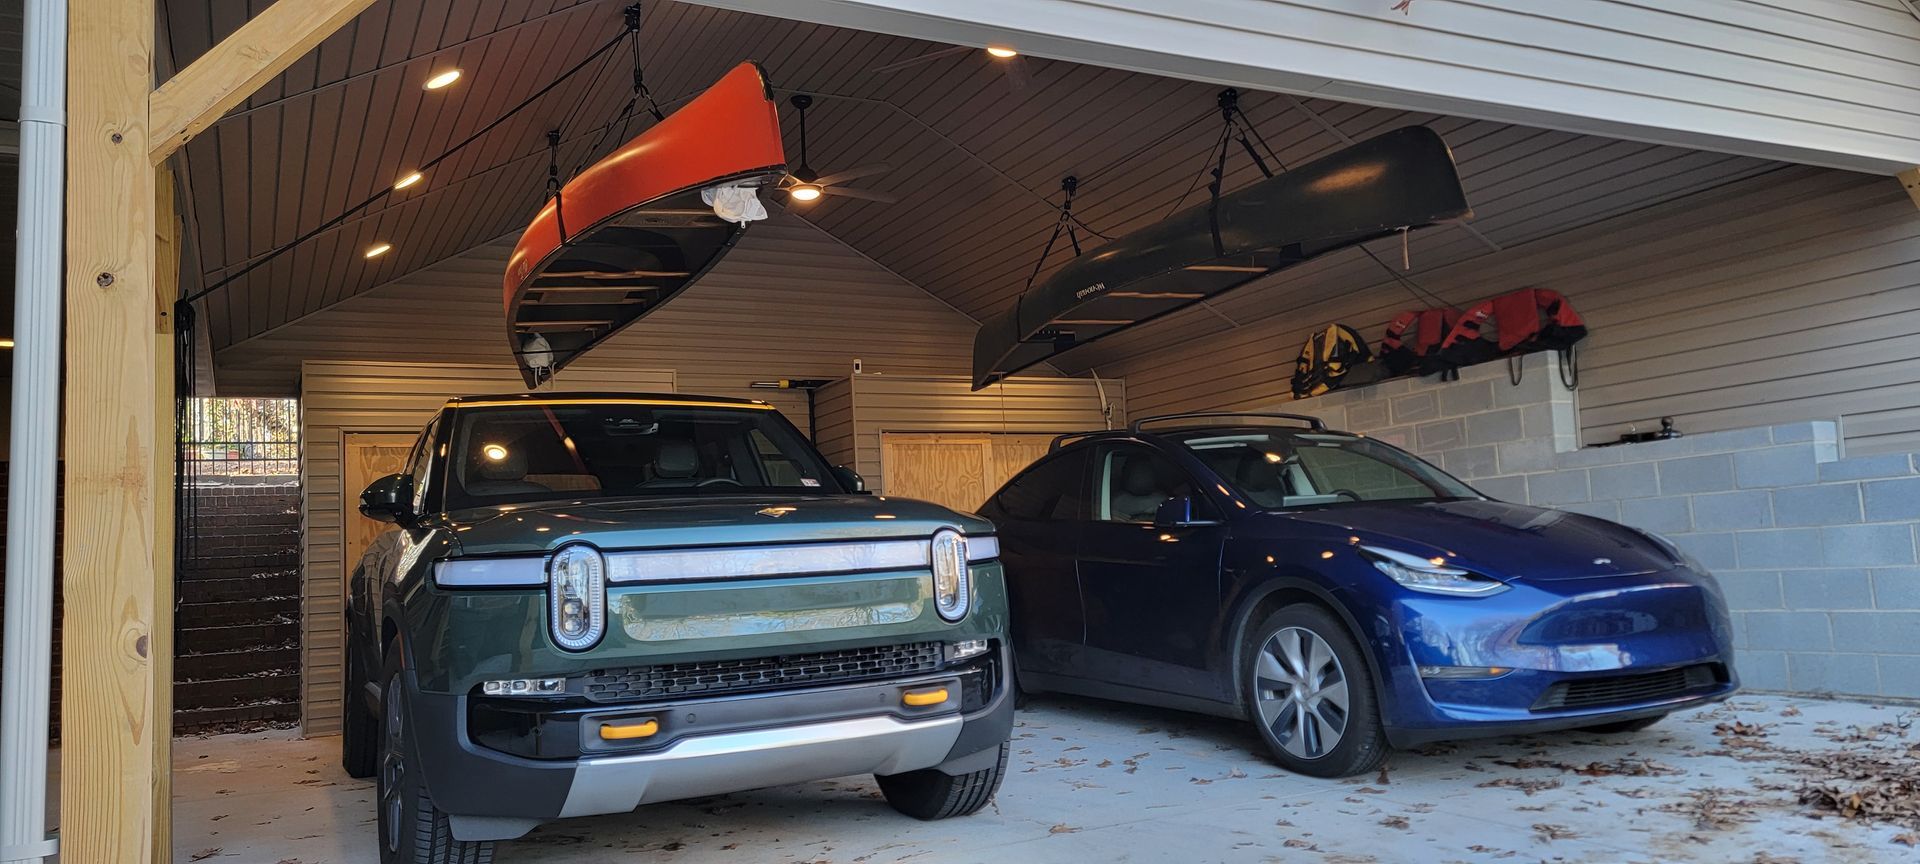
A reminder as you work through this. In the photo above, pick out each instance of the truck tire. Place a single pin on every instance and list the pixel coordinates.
(411, 829)
(929, 794)
(359, 728)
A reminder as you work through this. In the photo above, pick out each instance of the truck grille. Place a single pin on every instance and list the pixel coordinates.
(635, 683)
(1629, 689)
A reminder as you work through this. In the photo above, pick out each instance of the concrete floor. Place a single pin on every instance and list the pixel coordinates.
(1093, 781)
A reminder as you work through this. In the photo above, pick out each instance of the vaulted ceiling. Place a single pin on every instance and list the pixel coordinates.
(978, 160)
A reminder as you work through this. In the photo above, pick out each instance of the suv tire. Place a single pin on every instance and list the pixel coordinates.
(359, 728)
(930, 794)
(411, 830)
(1310, 694)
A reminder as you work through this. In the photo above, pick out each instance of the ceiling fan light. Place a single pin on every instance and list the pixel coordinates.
(1002, 52)
(805, 192)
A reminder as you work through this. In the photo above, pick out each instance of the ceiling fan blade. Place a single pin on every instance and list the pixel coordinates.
(924, 58)
(855, 173)
(861, 194)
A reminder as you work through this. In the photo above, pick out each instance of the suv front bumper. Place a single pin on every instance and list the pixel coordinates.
(716, 746)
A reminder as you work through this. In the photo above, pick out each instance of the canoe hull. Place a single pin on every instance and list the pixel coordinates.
(1402, 179)
(636, 232)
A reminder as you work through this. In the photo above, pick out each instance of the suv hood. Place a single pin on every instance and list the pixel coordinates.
(703, 520)
(1505, 541)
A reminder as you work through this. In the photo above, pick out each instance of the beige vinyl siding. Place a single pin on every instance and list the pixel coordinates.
(340, 398)
(1789, 296)
(833, 419)
(788, 302)
(878, 404)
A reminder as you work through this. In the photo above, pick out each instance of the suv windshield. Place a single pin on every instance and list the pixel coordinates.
(1279, 469)
(511, 454)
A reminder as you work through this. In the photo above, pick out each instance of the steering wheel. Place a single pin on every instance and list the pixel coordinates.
(712, 480)
(1348, 494)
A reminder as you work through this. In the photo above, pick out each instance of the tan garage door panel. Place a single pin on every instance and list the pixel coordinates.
(957, 470)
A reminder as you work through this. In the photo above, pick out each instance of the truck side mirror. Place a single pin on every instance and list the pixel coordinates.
(850, 479)
(388, 499)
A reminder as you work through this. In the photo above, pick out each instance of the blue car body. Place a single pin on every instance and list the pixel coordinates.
(1597, 623)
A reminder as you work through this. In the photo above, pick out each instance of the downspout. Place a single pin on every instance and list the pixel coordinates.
(36, 436)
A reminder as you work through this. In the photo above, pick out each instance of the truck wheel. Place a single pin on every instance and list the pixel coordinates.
(412, 831)
(1309, 693)
(1624, 725)
(359, 729)
(930, 794)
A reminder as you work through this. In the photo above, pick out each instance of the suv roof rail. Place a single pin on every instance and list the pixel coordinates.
(1314, 423)
(1062, 440)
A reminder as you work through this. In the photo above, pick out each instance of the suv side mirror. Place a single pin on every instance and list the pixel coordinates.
(388, 499)
(850, 479)
(1177, 512)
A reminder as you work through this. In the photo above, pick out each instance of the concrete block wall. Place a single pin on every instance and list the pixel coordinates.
(1816, 551)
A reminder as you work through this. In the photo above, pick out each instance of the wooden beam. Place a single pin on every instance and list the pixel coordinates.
(111, 731)
(1910, 178)
(242, 63)
(166, 285)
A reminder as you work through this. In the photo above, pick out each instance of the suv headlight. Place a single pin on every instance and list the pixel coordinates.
(951, 580)
(577, 597)
(1432, 575)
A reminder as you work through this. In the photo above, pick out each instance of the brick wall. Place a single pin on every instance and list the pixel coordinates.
(1816, 551)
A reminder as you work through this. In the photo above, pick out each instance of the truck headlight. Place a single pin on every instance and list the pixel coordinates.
(1432, 575)
(950, 576)
(577, 597)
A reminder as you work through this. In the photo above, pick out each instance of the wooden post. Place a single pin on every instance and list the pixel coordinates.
(109, 728)
(166, 283)
(1910, 178)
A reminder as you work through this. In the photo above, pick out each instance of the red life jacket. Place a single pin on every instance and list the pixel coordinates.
(1412, 343)
(1518, 322)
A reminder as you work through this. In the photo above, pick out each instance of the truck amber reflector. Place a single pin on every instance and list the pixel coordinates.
(629, 731)
(923, 698)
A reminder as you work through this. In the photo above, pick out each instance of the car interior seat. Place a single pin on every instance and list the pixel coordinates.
(1140, 493)
(676, 464)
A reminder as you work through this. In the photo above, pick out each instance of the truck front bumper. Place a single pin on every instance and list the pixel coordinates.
(713, 746)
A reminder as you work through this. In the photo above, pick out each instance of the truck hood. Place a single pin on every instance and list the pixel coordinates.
(1504, 541)
(698, 520)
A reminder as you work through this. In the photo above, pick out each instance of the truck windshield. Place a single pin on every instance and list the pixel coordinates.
(523, 453)
(1285, 470)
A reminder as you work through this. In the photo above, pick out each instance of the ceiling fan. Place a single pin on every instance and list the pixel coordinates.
(803, 184)
(1014, 65)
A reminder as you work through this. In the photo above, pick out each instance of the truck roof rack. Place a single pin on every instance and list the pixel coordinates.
(1314, 423)
(1063, 440)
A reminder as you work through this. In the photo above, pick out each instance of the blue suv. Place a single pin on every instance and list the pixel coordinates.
(1341, 593)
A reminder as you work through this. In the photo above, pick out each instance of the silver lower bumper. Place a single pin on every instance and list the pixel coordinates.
(718, 764)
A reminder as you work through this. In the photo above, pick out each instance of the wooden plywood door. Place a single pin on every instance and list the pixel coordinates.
(957, 470)
(366, 457)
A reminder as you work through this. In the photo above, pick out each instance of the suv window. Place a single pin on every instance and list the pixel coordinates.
(1286, 469)
(1134, 481)
(523, 452)
(420, 464)
(1049, 491)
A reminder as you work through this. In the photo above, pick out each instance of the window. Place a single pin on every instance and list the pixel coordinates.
(1284, 469)
(523, 453)
(1049, 491)
(1134, 481)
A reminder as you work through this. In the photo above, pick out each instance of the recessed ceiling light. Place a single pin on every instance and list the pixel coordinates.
(379, 249)
(1002, 52)
(6, 343)
(443, 79)
(408, 180)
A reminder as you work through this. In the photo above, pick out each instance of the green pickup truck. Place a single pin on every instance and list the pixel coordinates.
(591, 602)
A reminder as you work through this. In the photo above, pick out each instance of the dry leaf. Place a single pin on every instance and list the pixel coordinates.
(1062, 829)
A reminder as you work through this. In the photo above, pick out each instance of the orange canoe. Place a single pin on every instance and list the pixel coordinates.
(636, 231)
